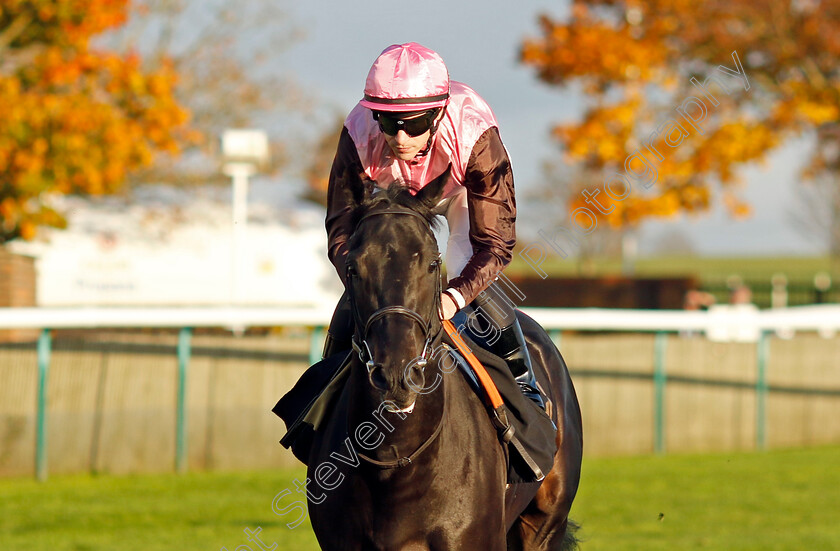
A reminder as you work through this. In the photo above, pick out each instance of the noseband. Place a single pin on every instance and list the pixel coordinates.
(360, 344)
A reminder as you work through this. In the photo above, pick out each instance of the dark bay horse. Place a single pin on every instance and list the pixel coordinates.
(411, 460)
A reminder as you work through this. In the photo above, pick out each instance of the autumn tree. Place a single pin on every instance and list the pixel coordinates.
(226, 56)
(317, 172)
(680, 95)
(564, 183)
(75, 118)
(816, 211)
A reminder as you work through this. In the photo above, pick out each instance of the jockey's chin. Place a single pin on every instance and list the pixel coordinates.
(405, 147)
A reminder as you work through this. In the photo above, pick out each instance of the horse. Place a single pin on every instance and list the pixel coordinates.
(412, 460)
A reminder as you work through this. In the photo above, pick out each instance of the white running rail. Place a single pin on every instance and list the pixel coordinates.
(719, 323)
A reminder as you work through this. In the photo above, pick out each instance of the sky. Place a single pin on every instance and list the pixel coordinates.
(479, 42)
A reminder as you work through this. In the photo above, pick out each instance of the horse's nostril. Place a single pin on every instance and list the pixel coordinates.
(377, 378)
(413, 377)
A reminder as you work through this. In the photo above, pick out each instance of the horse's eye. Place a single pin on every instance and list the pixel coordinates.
(351, 271)
(433, 266)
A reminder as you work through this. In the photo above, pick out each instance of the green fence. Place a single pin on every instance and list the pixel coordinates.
(124, 402)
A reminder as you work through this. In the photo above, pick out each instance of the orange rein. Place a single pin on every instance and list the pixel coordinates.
(483, 376)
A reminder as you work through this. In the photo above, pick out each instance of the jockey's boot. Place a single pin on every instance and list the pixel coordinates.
(510, 346)
(340, 332)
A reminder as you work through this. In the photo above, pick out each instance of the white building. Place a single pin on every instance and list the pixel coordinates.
(170, 246)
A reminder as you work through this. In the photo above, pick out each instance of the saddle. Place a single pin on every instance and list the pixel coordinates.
(526, 433)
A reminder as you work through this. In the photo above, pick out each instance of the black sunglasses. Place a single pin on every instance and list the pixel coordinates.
(391, 124)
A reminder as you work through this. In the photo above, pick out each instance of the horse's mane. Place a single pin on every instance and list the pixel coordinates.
(396, 195)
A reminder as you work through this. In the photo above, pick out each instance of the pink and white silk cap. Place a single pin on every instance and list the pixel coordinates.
(406, 77)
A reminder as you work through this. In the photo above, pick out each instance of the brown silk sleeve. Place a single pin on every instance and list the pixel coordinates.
(345, 191)
(492, 210)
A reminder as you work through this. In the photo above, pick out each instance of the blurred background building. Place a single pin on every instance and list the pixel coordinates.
(172, 246)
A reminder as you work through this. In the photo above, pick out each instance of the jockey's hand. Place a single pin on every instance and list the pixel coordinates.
(448, 306)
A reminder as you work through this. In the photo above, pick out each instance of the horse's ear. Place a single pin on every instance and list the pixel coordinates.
(363, 192)
(432, 192)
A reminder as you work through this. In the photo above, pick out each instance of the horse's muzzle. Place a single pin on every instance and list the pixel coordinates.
(399, 389)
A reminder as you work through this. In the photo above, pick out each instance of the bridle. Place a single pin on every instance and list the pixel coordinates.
(359, 340)
(363, 327)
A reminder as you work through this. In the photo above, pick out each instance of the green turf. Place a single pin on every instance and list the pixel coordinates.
(704, 268)
(782, 500)
(198, 511)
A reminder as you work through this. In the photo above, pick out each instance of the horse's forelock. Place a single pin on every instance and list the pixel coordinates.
(400, 196)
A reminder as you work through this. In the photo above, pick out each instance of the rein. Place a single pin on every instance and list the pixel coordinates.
(361, 347)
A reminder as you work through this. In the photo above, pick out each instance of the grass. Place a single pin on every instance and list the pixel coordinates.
(783, 500)
(197, 511)
(780, 500)
(704, 268)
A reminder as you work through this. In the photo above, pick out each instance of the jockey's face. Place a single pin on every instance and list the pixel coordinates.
(407, 147)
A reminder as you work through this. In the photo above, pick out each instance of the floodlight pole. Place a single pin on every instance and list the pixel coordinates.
(243, 150)
(239, 173)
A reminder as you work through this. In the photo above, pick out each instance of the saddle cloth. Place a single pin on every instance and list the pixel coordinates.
(532, 435)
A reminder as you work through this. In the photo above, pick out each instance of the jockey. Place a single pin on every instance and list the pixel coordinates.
(411, 125)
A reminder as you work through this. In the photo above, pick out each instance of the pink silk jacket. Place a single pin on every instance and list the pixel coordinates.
(468, 138)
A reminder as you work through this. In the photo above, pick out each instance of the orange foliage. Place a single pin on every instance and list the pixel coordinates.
(634, 59)
(75, 120)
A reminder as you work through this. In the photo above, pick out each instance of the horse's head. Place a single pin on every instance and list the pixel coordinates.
(394, 283)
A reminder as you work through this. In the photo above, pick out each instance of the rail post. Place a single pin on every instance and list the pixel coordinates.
(44, 349)
(556, 335)
(184, 351)
(660, 379)
(761, 389)
(316, 344)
